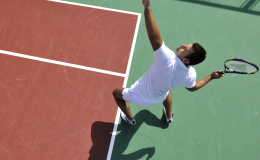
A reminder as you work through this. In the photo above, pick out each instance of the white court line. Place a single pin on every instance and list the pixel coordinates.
(97, 7)
(124, 85)
(62, 63)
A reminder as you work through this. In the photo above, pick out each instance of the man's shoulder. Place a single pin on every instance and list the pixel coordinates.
(163, 49)
(192, 72)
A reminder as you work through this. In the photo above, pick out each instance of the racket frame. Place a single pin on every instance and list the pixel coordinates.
(241, 60)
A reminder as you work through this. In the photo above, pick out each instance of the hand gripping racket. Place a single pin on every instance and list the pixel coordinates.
(239, 66)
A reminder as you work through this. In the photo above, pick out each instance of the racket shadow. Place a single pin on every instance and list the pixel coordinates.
(247, 6)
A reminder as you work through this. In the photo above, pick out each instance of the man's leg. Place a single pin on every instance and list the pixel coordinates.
(168, 105)
(123, 105)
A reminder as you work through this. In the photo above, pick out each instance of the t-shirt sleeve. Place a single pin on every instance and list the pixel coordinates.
(163, 55)
(159, 50)
(191, 81)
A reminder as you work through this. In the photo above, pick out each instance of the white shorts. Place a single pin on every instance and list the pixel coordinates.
(134, 98)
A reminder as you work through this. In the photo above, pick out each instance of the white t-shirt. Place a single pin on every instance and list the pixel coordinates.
(167, 72)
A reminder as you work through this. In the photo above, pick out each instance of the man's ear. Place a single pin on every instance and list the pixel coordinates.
(186, 61)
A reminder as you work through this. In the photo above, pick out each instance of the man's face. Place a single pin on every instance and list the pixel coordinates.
(184, 50)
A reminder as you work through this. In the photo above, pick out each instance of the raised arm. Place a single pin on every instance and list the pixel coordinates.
(151, 26)
(202, 82)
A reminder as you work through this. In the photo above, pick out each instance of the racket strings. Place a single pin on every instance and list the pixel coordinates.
(240, 66)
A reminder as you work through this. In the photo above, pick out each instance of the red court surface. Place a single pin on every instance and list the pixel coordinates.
(51, 111)
(47, 110)
(79, 35)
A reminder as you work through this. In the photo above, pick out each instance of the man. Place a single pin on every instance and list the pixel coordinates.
(167, 72)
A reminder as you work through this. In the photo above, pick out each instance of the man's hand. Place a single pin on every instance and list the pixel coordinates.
(202, 82)
(216, 75)
(146, 3)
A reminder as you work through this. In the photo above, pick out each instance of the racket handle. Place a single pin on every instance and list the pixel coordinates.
(220, 73)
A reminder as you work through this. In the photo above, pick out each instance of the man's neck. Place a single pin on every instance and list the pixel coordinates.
(183, 62)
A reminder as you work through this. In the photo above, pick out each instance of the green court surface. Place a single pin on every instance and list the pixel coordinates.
(220, 121)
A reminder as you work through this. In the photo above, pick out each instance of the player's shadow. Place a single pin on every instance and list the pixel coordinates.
(101, 135)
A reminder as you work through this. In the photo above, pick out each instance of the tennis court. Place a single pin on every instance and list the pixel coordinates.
(61, 60)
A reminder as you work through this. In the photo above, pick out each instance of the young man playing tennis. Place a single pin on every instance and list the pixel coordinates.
(167, 72)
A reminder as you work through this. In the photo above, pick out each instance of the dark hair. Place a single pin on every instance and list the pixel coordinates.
(198, 55)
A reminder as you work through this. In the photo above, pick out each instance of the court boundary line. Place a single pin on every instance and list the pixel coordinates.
(112, 141)
(62, 63)
(92, 6)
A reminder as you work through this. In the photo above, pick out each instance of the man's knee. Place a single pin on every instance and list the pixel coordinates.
(117, 93)
(114, 93)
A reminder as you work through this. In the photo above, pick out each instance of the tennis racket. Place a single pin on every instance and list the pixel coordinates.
(239, 66)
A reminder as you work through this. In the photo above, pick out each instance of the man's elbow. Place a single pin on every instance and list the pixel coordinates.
(191, 89)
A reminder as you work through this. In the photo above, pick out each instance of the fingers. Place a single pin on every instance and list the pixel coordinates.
(146, 3)
(220, 72)
(220, 75)
(217, 74)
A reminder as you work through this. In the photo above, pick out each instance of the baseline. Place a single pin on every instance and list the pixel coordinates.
(96, 7)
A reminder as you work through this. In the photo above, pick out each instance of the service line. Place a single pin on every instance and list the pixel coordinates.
(62, 63)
